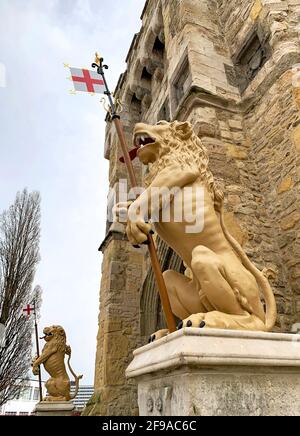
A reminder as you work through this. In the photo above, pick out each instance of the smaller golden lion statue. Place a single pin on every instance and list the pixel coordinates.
(53, 359)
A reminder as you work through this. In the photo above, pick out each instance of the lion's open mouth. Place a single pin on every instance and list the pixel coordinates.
(142, 139)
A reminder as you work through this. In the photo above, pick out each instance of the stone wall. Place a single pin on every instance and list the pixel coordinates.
(227, 67)
(277, 162)
(271, 120)
(119, 331)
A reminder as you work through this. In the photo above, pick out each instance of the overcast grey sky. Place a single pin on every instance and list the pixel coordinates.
(53, 142)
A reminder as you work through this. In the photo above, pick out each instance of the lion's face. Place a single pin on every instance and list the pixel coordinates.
(52, 332)
(155, 141)
(167, 144)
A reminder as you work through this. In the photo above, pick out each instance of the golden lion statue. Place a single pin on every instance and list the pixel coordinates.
(53, 359)
(221, 287)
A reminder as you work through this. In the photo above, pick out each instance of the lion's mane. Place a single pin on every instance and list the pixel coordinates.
(187, 151)
(59, 337)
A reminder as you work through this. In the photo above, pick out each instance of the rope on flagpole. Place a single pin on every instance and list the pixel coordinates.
(100, 66)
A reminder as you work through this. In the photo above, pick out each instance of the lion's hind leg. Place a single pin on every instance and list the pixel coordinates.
(58, 389)
(52, 391)
(184, 296)
(207, 266)
(183, 293)
(229, 311)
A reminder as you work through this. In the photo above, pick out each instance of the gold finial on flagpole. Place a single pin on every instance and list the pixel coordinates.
(106, 107)
(97, 58)
(66, 65)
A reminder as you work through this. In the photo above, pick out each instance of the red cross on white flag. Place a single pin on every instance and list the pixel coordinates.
(28, 309)
(87, 81)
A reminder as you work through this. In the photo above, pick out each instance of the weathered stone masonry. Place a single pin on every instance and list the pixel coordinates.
(227, 67)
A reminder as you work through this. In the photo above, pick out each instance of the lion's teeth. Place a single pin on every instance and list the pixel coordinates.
(142, 140)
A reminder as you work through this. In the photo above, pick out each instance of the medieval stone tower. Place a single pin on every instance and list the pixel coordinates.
(230, 68)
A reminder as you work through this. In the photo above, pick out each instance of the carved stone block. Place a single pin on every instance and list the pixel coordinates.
(196, 372)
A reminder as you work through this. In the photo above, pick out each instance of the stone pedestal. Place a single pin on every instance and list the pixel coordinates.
(55, 408)
(199, 372)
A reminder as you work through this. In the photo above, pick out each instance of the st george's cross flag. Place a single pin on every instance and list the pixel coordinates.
(27, 310)
(87, 81)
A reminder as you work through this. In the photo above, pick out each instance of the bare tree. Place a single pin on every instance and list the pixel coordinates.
(19, 256)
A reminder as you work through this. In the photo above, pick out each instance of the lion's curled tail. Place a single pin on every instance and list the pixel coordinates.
(262, 281)
(76, 377)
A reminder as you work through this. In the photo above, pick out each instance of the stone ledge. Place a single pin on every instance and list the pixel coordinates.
(54, 408)
(190, 347)
(196, 372)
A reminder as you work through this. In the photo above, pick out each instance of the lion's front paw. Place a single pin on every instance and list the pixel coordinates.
(138, 231)
(35, 370)
(120, 211)
(158, 335)
(197, 320)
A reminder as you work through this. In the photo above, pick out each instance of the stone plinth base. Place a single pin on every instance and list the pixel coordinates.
(198, 372)
(55, 408)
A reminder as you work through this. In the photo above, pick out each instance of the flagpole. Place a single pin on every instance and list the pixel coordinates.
(151, 245)
(38, 350)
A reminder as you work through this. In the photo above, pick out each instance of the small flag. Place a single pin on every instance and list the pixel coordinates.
(87, 81)
(28, 309)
